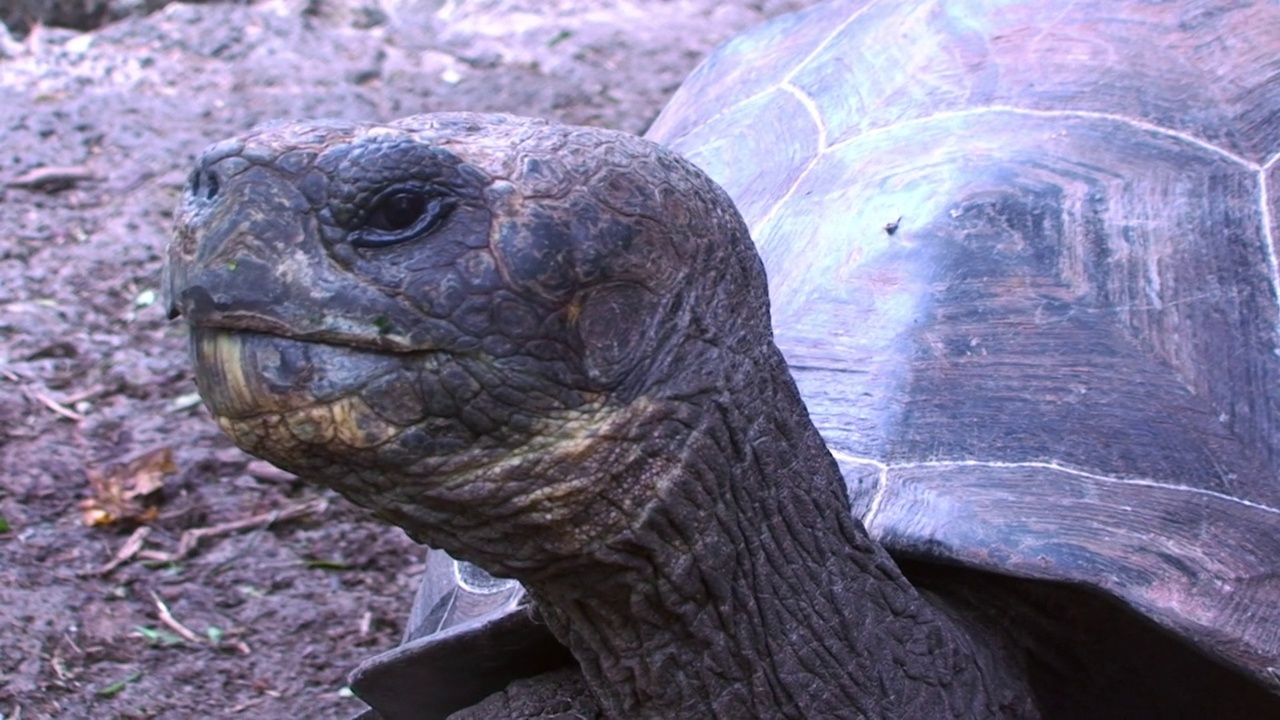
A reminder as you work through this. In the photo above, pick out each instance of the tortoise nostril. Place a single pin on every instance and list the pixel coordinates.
(204, 180)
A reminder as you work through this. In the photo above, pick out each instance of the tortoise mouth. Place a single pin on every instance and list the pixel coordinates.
(251, 322)
(294, 401)
(245, 374)
(320, 409)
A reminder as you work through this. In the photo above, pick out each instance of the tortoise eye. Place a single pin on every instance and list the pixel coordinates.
(397, 212)
(400, 216)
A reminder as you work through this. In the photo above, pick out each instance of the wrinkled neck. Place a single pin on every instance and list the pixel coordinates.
(748, 589)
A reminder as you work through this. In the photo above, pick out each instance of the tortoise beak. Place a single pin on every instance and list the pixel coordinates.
(177, 266)
(174, 274)
(235, 251)
(171, 309)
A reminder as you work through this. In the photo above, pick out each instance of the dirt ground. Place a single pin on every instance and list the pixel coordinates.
(147, 568)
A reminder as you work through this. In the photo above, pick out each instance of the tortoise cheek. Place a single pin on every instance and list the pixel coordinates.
(558, 248)
(536, 255)
(614, 324)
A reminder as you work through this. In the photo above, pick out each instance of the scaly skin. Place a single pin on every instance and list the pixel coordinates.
(547, 350)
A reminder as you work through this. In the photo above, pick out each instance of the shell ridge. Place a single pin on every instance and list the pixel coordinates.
(882, 481)
(1136, 481)
(807, 101)
(786, 197)
(785, 84)
(1031, 112)
(1268, 235)
(817, 50)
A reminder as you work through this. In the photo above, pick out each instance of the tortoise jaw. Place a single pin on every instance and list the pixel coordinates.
(248, 374)
(250, 323)
(374, 427)
(314, 389)
(221, 374)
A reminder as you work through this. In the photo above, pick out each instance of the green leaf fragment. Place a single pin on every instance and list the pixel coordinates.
(115, 687)
(158, 637)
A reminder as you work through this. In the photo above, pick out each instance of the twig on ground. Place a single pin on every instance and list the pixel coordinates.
(172, 623)
(126, 551)
(59, 667)
(246, 705)
(56, 406)
(52, 177)
(66, 638)
(88, 394)
(191, 538)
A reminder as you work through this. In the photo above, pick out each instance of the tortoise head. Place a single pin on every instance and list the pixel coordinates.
(481, 327)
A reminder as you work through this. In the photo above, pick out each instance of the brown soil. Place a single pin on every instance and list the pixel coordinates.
(286, 587)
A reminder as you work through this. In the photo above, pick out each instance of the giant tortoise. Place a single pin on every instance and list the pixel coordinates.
(1020, 318)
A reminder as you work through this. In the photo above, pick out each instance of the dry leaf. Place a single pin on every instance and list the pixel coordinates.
(127, 493)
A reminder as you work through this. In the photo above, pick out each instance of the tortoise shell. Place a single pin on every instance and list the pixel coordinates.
(1022, 264)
